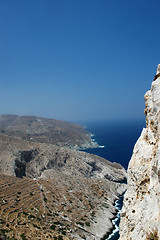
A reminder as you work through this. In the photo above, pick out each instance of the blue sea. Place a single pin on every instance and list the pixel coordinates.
(117, 138)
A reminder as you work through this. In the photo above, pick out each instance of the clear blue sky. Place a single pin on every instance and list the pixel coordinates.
(78, 59)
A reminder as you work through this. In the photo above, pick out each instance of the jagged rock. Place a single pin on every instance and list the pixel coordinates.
(140, 217)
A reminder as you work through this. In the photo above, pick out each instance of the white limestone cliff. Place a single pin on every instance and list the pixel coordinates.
(140, 217)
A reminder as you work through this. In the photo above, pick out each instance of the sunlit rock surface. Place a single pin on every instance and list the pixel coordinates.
(140, 217)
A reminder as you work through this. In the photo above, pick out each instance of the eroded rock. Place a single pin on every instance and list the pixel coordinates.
(140, 216)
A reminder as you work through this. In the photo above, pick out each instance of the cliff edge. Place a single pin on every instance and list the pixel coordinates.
(140, 217)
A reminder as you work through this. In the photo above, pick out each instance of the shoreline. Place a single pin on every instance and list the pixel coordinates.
(105, 218)
(115, 229)
(92, 144)
(105, 227)
(94, 141)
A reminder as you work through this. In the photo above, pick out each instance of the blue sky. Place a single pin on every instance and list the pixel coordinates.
(77, 60)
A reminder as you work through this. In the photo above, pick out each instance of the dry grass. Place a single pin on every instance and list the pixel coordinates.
(44, 209)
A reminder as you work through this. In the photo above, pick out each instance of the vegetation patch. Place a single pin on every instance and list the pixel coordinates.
(81, 223)
(105, 205)
(69, 210)
(23, 236)
(52, 227)
(25, 213)
(31, 216)
(45, 199)
(152, 235)
(60, 237)
(87, 224)
(34, 225)
(48, 214)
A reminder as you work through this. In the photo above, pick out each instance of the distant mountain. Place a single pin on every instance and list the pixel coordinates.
(43, 130)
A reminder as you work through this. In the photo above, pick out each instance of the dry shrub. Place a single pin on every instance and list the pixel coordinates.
(152, 235)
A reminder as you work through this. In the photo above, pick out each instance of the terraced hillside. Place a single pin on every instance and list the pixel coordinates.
(50, 192)
(24, 213)
(46, 209)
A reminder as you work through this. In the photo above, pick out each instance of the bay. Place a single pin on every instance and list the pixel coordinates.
(116, 138)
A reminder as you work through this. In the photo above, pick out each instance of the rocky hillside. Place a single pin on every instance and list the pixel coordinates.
(43, 130)
(140, 218)
(50, 192)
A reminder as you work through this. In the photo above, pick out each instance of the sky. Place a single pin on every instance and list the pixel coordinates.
(78, 60)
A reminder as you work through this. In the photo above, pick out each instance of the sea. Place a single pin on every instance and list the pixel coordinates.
(116, 139)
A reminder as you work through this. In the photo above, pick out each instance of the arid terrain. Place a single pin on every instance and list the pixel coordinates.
(43, 130)
(53, 192)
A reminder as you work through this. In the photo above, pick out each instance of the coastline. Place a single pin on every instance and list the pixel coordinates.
(96, 143)
(90, 143)
(104, 226)
(115, 221)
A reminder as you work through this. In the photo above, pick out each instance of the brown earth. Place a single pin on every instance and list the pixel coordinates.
(52, 192)
(43, 130)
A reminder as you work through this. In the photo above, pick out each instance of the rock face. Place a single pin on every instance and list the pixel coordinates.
(140, 217)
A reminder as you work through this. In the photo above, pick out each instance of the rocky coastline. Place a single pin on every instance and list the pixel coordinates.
(77, 191)
(90, 143)
(49, 131)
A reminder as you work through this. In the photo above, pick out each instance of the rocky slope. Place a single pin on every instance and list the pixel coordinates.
(43, 130)
(140, 217)
(50, 192)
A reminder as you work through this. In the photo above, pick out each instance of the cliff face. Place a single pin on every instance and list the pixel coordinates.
(140, 217)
